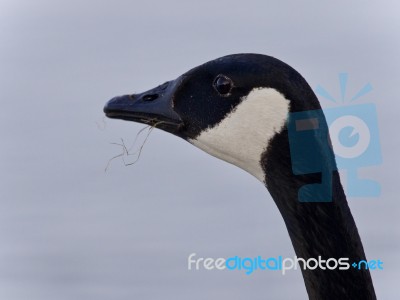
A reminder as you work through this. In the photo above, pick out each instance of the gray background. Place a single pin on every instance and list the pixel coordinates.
(68, 230)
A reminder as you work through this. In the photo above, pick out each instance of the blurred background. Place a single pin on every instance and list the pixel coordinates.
(70, 230)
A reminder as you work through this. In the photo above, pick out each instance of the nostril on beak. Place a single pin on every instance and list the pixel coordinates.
(150, 97)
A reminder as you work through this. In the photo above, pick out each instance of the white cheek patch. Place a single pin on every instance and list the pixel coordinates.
(243, 135)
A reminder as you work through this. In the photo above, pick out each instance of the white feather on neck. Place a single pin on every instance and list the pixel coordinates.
(243, 135)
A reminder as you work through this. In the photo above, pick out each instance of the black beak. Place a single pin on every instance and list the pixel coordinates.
(154, 107)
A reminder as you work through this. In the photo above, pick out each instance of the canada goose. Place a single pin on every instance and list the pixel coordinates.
(237, 108)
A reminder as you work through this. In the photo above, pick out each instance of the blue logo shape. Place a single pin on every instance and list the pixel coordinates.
(309, 143)
(348, 136)
(354, 138)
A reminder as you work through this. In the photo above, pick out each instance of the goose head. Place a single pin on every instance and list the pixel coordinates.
(231, 107)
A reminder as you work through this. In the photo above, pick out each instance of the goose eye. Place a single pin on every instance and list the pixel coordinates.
(223, 85)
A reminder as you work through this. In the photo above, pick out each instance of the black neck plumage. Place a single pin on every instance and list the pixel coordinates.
(325, 229)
